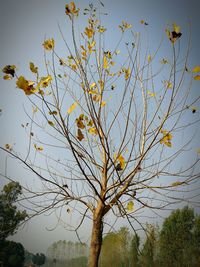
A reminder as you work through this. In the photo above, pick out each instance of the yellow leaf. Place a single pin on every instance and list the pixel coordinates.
(8, 147)
(35, 109)
(112, 63)
(197, 77)
(89, 32)
(167, 137)
(79, 122)
(127, 73)
(194, 109)
(38, 148)
(149, 58)
(196, 69)
(198, 151)
(101, 29)
(117, 52)
(93, 85)
(168, 84)
(96, 98)
(80, 135)
(54, 112)
(176, 28)
(26, 86)
(90, 123)
(164, 61)
(45, 81)
(151, 94)
(73, 67)
(70, 10)
(103, 103)
(33, 68)
(51, 123)
(72, 107)
(126, 25)
(49, 44)
(142, 21)
(10, 70)
(105, 63)
(93, 131)
(90, 46)
(177, 183)
(7, 77)
(130, 206)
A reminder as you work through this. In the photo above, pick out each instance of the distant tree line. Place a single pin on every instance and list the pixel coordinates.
(176, 244)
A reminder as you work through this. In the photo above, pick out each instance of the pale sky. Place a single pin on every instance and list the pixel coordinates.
(24, 26)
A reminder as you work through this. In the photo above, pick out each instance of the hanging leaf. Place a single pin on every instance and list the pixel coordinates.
(8, 147)
(33, 68)
(38, 148)
(80, 135)
(7, 77)
(51, 123)
(93, 131)
(127, 73)
(54, 112)
(149, 58)
(167, 137)
(89, 32)
(49, 44)
(72, 107)
(105, 63)
(177, 183)
(196, 69)
(197, 77)
(130, 206)
(9, 70)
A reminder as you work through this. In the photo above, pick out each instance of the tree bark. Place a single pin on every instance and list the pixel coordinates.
(96, 239)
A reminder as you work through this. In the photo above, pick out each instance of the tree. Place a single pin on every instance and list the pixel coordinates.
(10, 216)
(115, 249)
(148, 253)
(39, 259)
(134, 251)
(119, 119)
(176, 239)
(12, 254)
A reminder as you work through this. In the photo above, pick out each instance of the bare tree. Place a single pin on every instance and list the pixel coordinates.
(114, 126)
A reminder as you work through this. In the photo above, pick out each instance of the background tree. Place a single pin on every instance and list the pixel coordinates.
(115, 249)
(12, 254)
(148, 253)
(176, 239)
(39, 259)
(135, 251)
(10, 216)
(118, 117)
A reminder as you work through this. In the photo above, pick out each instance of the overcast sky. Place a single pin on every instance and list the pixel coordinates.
(25, 24)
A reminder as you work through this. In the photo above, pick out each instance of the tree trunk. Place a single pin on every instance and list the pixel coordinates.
(96, 240)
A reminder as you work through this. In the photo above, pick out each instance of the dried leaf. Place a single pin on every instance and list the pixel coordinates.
(80, 135)
(51, 123)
